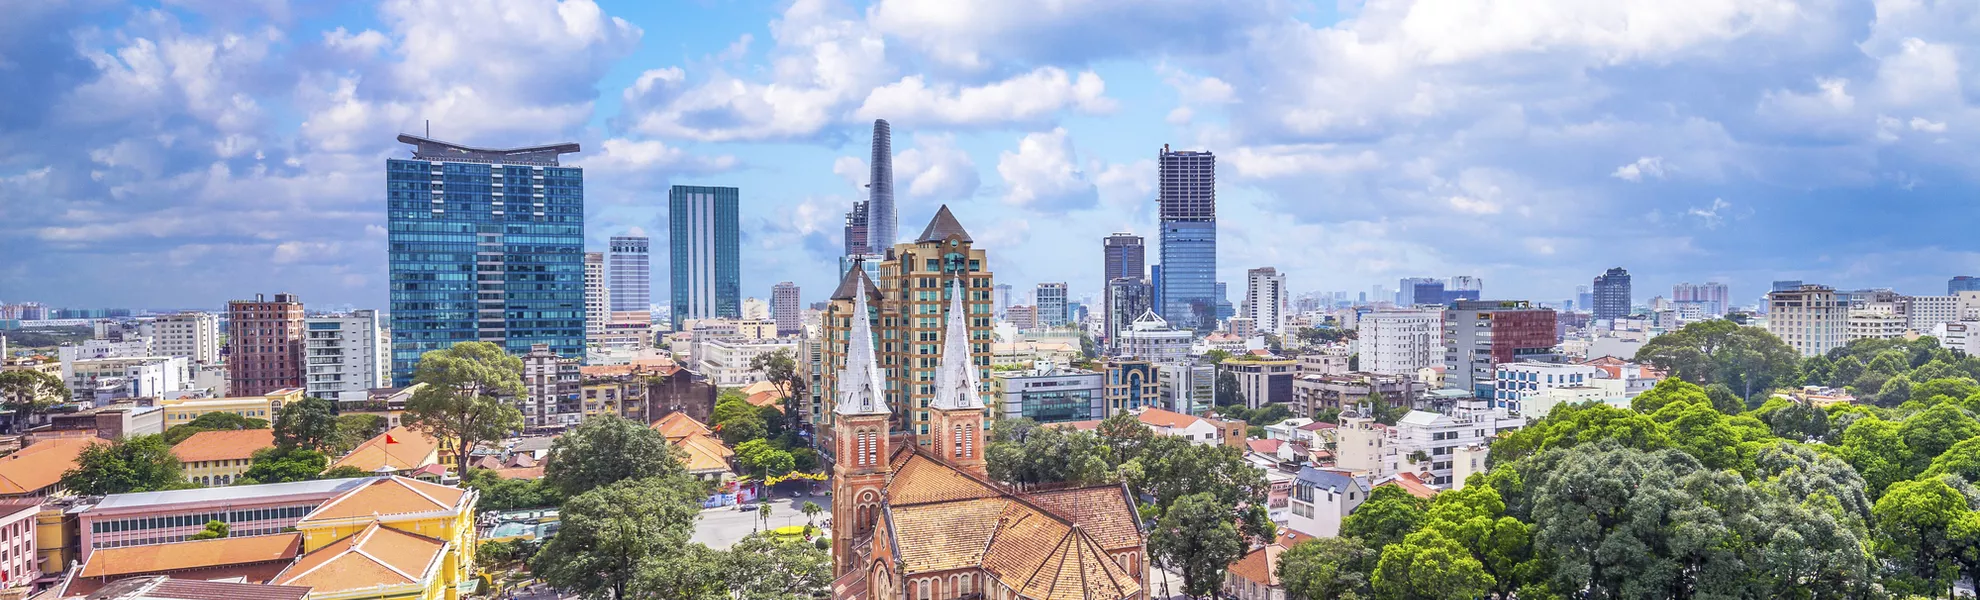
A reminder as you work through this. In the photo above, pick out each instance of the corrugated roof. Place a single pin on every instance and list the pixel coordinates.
(161, 587)
(178, 556)
(237, 444)
(238, 492)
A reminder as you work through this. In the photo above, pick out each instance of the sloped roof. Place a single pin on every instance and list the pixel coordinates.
(160, 587)
(855, 278)
(922, 480)
(387, 496)
(1261, 565)
(1156, 417)
(702, 452)
(376, 556)
(946, 535)
(1044, 559)
(1102, 511)
(677, 425)
(1264, 446)
(40, 465)
(398, 449)
(1410, 483)
(237, 444)
(178, 556)
(942, 227)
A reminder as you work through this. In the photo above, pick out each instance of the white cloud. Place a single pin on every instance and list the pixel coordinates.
(626, 156)
(363, 43)
(1921, 124)
(1034, 96)
(853, 170)
(935, 169)
(1648, 166)
(1044, 174)
(1474, 206)
(1713, 215)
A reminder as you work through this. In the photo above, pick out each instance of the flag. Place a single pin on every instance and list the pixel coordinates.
(389, 440)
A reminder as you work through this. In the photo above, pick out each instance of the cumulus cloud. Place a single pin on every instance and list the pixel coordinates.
(1044, 174)
(935, 169)
(1648, 166)
(1031, 97)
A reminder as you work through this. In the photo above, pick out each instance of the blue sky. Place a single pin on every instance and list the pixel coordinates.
(186, 152)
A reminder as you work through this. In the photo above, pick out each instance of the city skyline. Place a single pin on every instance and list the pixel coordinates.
(282, 127)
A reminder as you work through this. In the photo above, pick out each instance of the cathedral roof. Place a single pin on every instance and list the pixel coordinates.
(957, 384)
(862, 391)
(942, 226)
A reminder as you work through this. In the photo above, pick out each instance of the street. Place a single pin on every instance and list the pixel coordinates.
(720, 528)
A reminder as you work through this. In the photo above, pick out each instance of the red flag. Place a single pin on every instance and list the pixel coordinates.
(389, 440)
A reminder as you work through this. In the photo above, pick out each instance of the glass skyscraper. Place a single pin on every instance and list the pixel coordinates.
(485, 244)
(1188, 198)
(630, 283)
(706, 257)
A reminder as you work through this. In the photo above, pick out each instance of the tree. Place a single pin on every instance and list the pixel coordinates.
(28, 393)
(1124, 436)
(282, 465)
(1226, 392)
(1196, 538)
(310, 423)
(1877, 449)
(1047, 455)
(1215, 357)
(213, 421)
(344, 472)
(760, 457)
(1428, 565)
(1962, 459)
(738, 421)
(780, 369)
(1336, 568)
(770, 567)
(1745, 359)
(607, 534)
(1475, 517)
(607, 449)
(498, 493)
(1172, 468)
(1389, 515)
(1571, 425)
(1929, 434)
(214, 530)
(1915, 529)
(811, 511)
(691, 572)
(140, 464)
(465, 396)
(354, 429)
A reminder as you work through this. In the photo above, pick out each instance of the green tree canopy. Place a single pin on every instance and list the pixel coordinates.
(1336, 568)
(354, 429)
(465, 396)
(25, 393)
(1197, 539)
(282, 465)
(1389, 515)
(1745, 359)
(1172, 467)
(140, 464)
(1046, 454)
(765, 566)
(1918, 529)
(760, 457)
(607, 534)
(607, 449)
(310, 423)
(1429, 565)
(498, 493)
(214, 530)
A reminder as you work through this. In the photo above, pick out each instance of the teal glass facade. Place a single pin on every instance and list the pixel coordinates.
(705, 261)
(484, 251)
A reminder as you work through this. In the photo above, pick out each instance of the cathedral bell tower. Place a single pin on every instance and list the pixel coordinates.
(956, 414)
(860, 439)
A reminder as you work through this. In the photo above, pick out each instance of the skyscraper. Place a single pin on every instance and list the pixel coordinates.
(856, 230)
(707, 253)
(264, 344)
(346, 356)
(1050, 298)
(1962, 283)
(1265, 299)
(597, 299)
(881, 220)
(1612, 294)
(1426, 291)
(1127, 298)
(1583, 301)
(784, 308)
(631, 280)
(1125, 256)
(486, 245)
(1710, 296)
(1187, 194)
(1001, 300)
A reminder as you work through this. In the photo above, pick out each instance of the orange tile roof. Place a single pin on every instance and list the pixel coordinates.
(1103, 511)
(945, 536)
(520, 473)
(398, 449)
(238, 444)
(678, 425)
(377, 556)
(1155, 417)
(1046, 559)
(762, 399)
(1260, 566)
(178, 556)
(389, 496)
(704, 453)
(922, 479)
(40, 465)
(1410, 483)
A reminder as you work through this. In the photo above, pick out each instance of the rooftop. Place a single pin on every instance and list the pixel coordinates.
(160, 587)
(40, 465)
(179, 556)
(386, 496)
(431, 149)
(235, 493)
(942, 227)
(237, 444)
(398, 449)
(375, 557)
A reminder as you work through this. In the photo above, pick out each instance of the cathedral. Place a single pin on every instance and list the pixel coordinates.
(915, 521)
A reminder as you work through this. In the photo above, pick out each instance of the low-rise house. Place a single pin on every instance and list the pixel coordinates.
(214, 458)
(1313, 392)
(398, 450)
(1198, 430)
(18, 564)
(1256, 575)
(704, 455)
(1322, 497)
(179, 412)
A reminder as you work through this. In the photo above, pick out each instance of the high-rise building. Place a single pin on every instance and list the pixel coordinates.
(346, 356)
(1962, 283)
(1125, 256)
(1480, 334)
(264, 344)
(631, 279)
(1265, 299)
(1464, 283)
(1001, 300)
(1786, 285)
(1612, 295)
(1127, 298)
(194, 336)
(917, 287)
(1812, 319)
(784, 308)
(486, 245)
(1023, 316)
(551, 384)
(1050, 298)
(1187, 195)
(1583, 300)
(597, 299)
(707, 262)
(855, 238)
(881, 219)
(1400, 342)
(1225, 309)
(1419, 290)
(1710, 296)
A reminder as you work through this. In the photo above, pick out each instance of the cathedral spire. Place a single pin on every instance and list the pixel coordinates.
(862, 391)
(956, 380)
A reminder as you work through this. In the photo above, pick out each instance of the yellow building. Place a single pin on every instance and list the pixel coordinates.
(214, 458)
(394, 538)
(180, 412)
(398, 450)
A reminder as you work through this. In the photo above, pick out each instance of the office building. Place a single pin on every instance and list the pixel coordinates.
(346, 356)
(1612, 295)
(1225, 309)
(881, 218)
(1928, 312)
(1263, 381)
(1426, 291)
(1051, 394)
(1186, 387)
(784, 309)
(1149, 337)
(1712, 297)
(1187, 195)
(1583, 300)
(1400, 342)
(1050, 298)
(194, 336)
(725, 360)
(1481, 334)
(1465, 283)
(486, 245)
(264, 344)
(597, 300)
(1812, 319)
(1023, 316)
(1132, 385)
(1125, 255)
(1265, 300)
(1001, 301)
(855, 236)
(707, 261)
(551, 386)
(630, 282)
(1127, 298)
(1517, 384)
(1786, 285)
(1962, 283)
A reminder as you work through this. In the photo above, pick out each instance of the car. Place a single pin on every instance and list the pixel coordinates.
(745, 507)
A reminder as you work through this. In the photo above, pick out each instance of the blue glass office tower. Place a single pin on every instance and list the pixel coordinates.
(1188, 219)
(485, 245)
(706, 259)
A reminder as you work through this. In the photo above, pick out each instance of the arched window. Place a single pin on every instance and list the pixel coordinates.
(969, 441)
(959, 440)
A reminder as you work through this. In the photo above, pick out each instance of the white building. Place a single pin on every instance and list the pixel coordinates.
(1433, 437)
(1877, 321)
(755, 309)
(1051, 395)
(597, 300)
(1963, 336)
(1150, 338)
(101, 380)
(1265, 300)
(1810, 318)
(1514, 384)
(1050, 298)
(725, 360)
(344, 356)
(551, 384)
(1186, 387)
(1321, 498)
(1398, 342)
(1927, 312)
(192, 335)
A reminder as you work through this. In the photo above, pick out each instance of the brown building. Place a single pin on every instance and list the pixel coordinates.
(264, 344)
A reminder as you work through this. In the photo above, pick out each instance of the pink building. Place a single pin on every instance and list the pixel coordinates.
(147, 518)
(18, 566)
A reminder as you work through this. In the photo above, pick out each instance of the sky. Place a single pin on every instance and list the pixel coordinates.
(186, 152)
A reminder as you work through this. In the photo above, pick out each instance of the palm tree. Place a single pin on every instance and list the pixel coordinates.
(810, 510)
(765, 514)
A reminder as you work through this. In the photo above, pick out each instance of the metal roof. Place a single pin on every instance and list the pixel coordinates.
(431, 149)
(238, 492)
